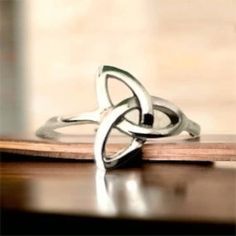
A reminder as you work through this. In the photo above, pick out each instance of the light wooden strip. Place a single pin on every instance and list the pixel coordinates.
(208, 148)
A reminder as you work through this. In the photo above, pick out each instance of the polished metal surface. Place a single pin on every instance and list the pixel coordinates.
(112, 116)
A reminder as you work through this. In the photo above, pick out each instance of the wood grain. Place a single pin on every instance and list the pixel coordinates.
(206, 148)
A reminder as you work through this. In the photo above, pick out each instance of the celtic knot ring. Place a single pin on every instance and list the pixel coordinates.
(110, 116)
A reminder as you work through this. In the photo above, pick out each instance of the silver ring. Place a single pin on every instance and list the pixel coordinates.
(112, 116)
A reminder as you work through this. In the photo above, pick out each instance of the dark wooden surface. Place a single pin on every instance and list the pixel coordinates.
(179, 148)
(66, 194)
(66, 197)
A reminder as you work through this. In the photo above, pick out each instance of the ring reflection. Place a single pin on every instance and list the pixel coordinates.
(120, 192)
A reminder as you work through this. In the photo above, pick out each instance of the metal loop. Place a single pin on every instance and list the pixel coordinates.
(104, 129)
(103, 96)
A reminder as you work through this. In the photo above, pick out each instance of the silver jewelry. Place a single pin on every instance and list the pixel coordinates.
(110, 116)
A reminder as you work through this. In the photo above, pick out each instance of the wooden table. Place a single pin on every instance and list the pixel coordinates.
(61, 196)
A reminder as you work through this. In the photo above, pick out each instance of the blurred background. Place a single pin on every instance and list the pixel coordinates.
(183, 51)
